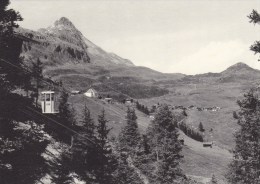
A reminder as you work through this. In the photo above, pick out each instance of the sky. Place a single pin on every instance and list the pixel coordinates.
(170, 36)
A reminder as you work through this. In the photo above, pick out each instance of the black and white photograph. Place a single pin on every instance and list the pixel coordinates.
(129, 92)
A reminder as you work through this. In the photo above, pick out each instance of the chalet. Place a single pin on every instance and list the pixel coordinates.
(129, 101)
(92, 93)
(75, 92)
(208, 144)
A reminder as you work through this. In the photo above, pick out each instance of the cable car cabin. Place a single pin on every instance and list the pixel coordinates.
(48, 102)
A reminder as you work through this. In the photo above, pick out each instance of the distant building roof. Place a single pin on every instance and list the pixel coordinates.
(91, 89)
(108, 98)
(75, 91)
(45, 92)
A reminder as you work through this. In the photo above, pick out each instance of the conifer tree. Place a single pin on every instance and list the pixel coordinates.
(65, 113)
(88, 123)
(84, 148)
(21, 160)
(124, 173)
(145, 144)
(62, 169)
(129, 137)
(255, 19)
(38, 78)
(166, 146)
(184, 112)
(214, 179)
(21, 154)
(66, 116)
(105, 160)
(143, 158)
(9, 46)
(201, 128)
(245, 167)
(27, 86)
(235, 116)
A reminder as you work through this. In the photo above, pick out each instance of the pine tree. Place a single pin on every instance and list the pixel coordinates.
(124, 173)
(62, 169)
(145, 144)
(137, 105)
(129, 137)
(255, 19)
(88, 123)
(9, 45)
(84, 148)
(65, 112)
(38, 78)
(66, 116)
(21, 160)
(157, 127)
(105, 160)
(27, 86)
(201, 128)
(23, 155)
(166, 146)
(146, 110)
(214, 179)
(184, 113)
(235, 116)
(245, 167)
(143, 158)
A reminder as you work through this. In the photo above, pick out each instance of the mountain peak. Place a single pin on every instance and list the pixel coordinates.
(238, 68)
(240, 65)
(63, 21)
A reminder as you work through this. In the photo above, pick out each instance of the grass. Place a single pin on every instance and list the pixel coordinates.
(115, 113)
(210, 91)
(199, 162)
(207, 95)
(203, 162)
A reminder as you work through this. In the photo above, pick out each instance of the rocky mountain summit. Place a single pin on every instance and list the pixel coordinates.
(62, 43)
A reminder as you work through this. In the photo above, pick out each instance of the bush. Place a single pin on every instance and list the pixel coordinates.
(190, 132)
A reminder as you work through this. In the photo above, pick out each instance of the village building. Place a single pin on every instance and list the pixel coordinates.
(75, 92)
(92, 93)
(129, 101)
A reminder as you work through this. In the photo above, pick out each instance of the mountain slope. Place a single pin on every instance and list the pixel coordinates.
(240, 72)
(66, 53)
(63, 43)
(206, 91)
(70, 57)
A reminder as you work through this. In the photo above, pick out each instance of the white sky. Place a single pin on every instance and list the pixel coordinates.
(169, 36)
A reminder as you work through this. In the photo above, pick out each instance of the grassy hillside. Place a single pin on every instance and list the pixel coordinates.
(206, 160)
(202, 92)
(69, 57)
(115, 112)
(208, 91)
(221, 122)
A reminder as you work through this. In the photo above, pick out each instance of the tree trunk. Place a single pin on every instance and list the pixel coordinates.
(71, 141)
